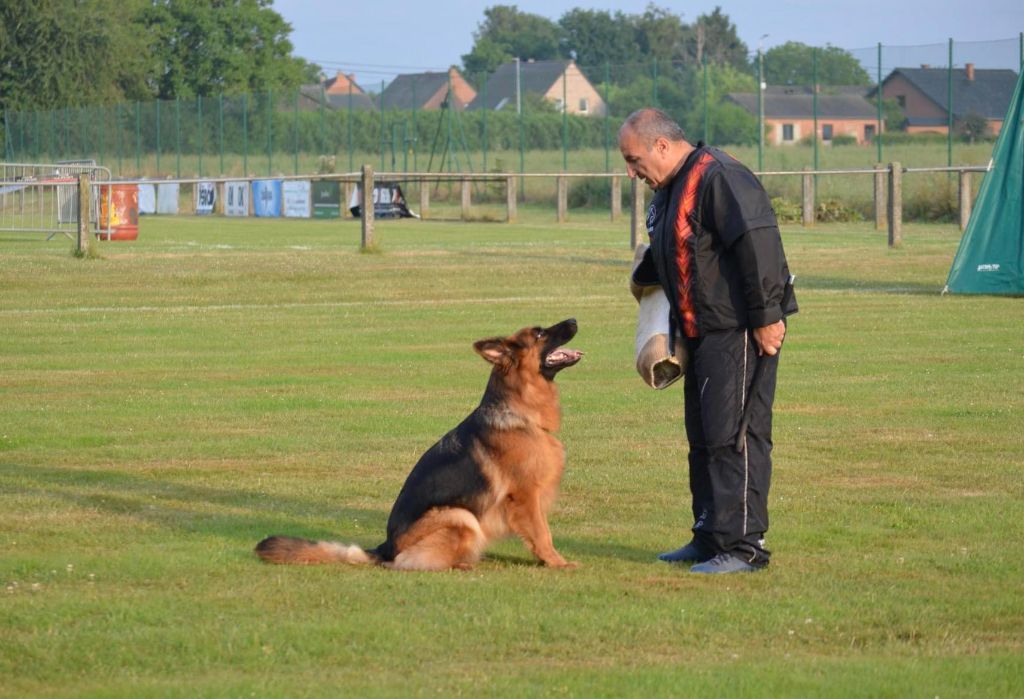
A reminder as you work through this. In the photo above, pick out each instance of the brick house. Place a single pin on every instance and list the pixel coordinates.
(342, 84)
(923, 95)
(789, 113)
(341, 92)
(427, 91)
(552, 80)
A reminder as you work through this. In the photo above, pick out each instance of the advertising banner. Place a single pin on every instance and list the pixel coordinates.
(296, 198)
(266, 198)
(327, 199)
(147, 198)
(388, 201)
(206, 198)
(236, 198)
(167, 198)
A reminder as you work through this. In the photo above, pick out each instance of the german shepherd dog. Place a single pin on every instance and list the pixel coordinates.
(496, 473)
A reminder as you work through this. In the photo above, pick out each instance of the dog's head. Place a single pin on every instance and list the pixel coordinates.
(534, 350)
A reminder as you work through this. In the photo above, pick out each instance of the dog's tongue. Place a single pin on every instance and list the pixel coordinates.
(563, 355)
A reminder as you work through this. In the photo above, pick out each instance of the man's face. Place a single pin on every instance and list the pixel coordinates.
(651, 164)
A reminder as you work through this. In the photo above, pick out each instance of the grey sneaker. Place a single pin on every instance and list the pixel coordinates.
(692, 552)
(724, 563)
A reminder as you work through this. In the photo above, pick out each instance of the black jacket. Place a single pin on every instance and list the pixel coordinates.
(714, 222)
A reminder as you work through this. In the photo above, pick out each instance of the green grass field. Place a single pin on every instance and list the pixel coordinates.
(166, 405)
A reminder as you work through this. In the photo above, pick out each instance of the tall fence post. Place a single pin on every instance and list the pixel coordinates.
(8, 152)
(366, 207)
(807, 190)
(637, 217)
(965, 198)
(895, 207)
(82, 243)
(467, 200)
(880, 206)
(563, 198)
(424, 198)
(616, 202)
(511, 213)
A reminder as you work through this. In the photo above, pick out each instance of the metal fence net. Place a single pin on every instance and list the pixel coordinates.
(303, 131)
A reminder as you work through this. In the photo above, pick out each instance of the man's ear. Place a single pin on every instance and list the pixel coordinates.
(493, 350)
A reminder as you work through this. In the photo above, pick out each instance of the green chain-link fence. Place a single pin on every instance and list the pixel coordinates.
(301, 131)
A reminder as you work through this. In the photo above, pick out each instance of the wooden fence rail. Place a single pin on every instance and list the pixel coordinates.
(887, 192)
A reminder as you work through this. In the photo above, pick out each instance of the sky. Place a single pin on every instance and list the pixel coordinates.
(378, 40)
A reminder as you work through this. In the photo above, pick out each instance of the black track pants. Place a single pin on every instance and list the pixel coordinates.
(730, 489)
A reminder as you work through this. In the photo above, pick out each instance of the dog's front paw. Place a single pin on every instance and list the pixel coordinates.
(563, 564)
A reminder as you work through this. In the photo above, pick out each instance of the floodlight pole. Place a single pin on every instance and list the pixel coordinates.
(814, 100)
(522, 138)
(519, 98)
(949, 109)
(760, 103)
(565, 118)
(878, 132)
(760, 111)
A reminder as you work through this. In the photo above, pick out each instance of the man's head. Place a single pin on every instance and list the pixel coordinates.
(653, 146)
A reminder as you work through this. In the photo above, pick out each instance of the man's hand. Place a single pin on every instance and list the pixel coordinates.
(769, 338)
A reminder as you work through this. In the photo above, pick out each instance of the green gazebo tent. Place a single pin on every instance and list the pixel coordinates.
(990, 259)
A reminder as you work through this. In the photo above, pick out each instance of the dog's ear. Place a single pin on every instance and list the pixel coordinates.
(494, 349)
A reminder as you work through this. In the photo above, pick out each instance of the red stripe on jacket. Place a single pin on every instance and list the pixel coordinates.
(684, 234)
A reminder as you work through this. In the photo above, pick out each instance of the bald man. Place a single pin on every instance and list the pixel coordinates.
(717, 252)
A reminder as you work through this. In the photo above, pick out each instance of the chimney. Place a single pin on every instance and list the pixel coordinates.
(970, 72)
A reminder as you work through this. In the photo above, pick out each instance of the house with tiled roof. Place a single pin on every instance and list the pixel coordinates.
(560, 82)
(313, 97)
(427, 91)
(923, 95)
(789, 113)
(341, 84)
(343, 92)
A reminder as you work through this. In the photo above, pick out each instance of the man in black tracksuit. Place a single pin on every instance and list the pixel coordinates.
(717, 252)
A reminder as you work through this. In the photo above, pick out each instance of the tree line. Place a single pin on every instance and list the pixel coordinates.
(656, 57)
(60, 54)
(633, 42)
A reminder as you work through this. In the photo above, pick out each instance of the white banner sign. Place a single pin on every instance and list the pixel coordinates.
(236, 198)
(147, 198)
(296, 194)
(206, 197)
(167, 198)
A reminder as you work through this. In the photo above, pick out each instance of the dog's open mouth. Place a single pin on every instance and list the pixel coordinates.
(562, 357)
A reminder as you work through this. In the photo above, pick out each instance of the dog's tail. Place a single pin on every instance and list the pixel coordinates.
(291, 549)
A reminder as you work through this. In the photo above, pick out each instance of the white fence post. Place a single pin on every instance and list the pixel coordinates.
(82, 242)
(511, 213)
(807, 191)
(637, 215)
(895, 204)
(965, 198)
(366, 207)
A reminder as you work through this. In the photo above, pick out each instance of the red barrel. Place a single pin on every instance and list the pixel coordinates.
(119, 212)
